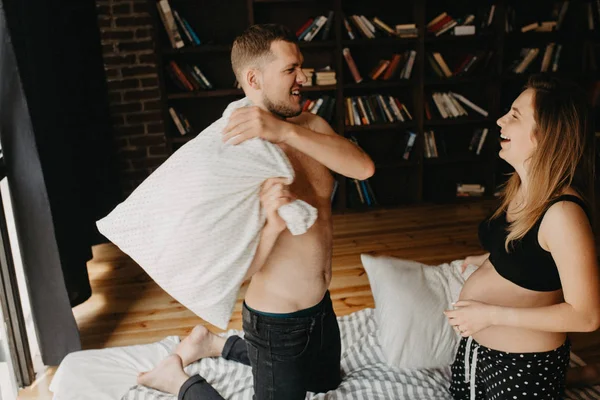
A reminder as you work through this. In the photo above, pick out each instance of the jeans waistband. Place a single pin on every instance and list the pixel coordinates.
(300, 316)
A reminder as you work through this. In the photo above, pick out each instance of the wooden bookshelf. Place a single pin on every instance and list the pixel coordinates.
(396, 181)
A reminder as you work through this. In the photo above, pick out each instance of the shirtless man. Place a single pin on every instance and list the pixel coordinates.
(292, 339)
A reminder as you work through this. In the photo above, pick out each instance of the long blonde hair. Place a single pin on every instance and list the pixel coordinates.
(562, 157)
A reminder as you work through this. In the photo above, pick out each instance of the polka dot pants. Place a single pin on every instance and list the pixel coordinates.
(482, 373)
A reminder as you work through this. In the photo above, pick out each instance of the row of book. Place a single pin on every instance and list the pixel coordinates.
(548, 25)
(450, 105)
(375, 109)
(528, 55)
(181, 122)
(385, 69)
(322, 77)
(318, 27)
(445, 23)
(175, 24)
(187, 77)
(323, 106)
(435, 143)
(465, 66)
(371, 28)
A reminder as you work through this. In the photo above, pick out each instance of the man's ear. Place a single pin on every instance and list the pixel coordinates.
(253, 78)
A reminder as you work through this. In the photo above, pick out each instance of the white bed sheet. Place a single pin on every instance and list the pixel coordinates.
(110, 374)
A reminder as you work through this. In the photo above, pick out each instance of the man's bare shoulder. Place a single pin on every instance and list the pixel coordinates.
(312, 122)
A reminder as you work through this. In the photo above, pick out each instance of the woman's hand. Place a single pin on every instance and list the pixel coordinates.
(474, 260)
(275, 193)
(470, 316)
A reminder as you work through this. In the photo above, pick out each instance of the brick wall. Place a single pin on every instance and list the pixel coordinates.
(128, 50)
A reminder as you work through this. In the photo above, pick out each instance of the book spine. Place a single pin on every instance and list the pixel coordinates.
(352, 65)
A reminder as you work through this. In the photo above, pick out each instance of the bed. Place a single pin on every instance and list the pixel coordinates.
(111, 373)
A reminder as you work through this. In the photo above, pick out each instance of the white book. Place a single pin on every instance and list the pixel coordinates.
(369, 24)
(177, 121)
(395, 109)
(315, 30)
(460, 108)
(409, 65)
(491, 16)
(531, 55)
(439, 105)
(169, 21)
(450, 105)
(464, 30)
(482, 140)
(361, 25)
(470, 104)
(318, 105)
(386, 110)
(547, 57)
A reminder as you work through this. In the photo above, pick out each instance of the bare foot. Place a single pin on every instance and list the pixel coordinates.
(199, 344)
(168, 376)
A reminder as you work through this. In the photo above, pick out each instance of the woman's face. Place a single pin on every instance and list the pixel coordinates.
(517, 131)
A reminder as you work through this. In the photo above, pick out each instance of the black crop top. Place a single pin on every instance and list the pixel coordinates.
(528, 264)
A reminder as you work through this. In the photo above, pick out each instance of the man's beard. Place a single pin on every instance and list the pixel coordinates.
(280, 109)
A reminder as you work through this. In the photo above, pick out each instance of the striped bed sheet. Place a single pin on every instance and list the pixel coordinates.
(365, 373)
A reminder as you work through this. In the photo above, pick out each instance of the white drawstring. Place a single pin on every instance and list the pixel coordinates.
(470, 372)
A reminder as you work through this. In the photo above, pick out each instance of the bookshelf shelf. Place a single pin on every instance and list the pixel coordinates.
(459, 80)
(317, 88)
(380, 127)
(284, 1)
(378, 84)
(460, 38)
(205, 94)
(396, 180)
(318, 44)
(397, 164)
(456, 121)
(200, 49)
(379, 42)
(461, 158)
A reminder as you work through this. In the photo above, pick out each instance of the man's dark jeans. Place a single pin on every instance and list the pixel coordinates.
(289, 355)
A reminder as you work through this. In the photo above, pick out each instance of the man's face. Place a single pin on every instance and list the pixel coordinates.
(282, 78)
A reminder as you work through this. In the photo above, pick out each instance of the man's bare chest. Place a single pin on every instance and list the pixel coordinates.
(312, 179)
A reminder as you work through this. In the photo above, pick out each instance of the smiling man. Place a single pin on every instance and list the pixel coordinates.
(292, 339)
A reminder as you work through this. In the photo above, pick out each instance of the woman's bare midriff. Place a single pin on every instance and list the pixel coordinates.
(487, 286)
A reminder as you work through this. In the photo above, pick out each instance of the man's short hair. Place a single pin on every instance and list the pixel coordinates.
(254, 45)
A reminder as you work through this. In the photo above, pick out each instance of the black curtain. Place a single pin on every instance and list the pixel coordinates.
(56, 138)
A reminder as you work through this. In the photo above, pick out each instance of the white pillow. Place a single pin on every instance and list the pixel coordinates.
(410, 299)
(106, 374)
(194, 224)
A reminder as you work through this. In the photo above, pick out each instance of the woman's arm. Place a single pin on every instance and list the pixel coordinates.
(566, 232)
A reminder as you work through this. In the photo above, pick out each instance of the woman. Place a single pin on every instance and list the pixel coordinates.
(539, 279)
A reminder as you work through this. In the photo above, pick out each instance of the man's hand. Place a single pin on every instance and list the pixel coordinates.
(250, 122)
(275, 193)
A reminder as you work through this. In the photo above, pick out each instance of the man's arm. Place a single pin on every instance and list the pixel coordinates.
(330, 149)
(274, 193)
(319, 142)
(268, 237)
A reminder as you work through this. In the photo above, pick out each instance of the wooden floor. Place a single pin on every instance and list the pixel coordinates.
(128, 308)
